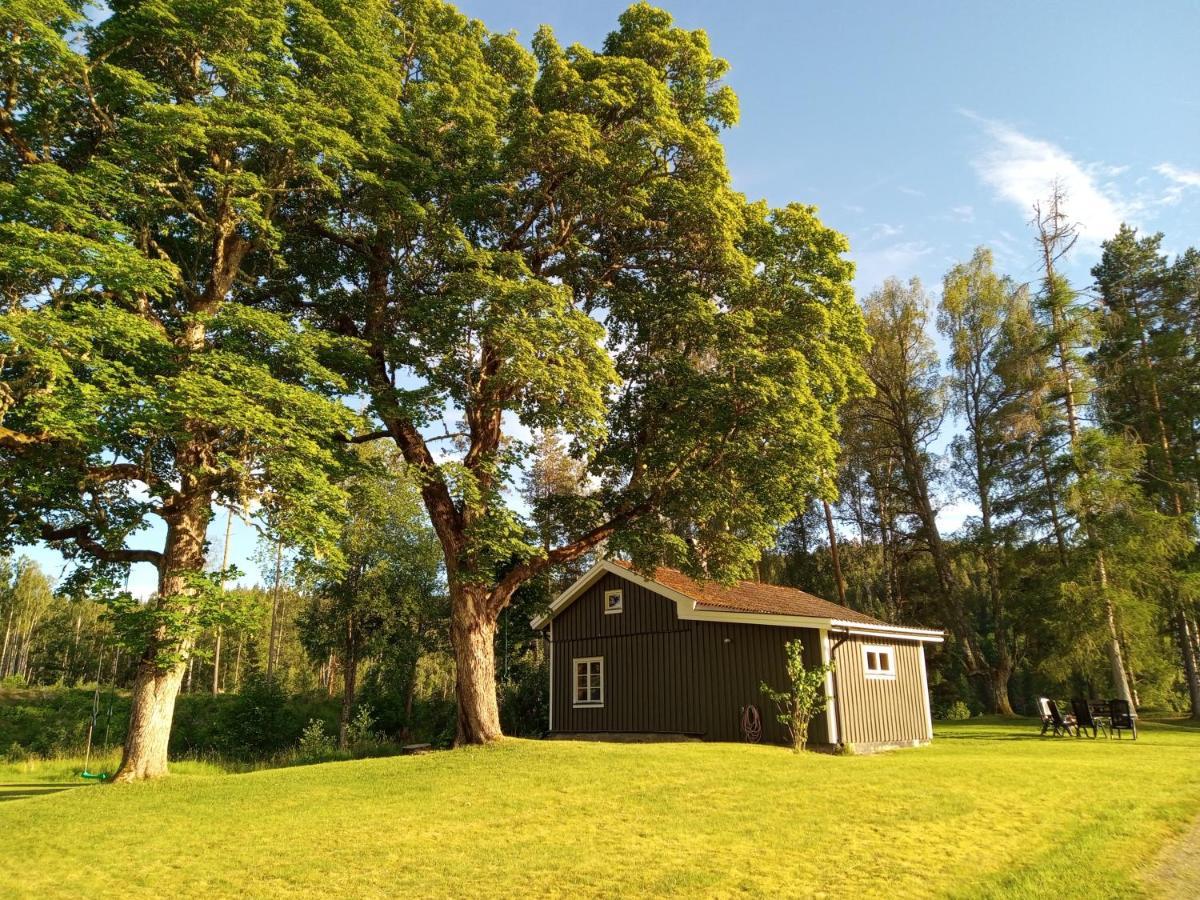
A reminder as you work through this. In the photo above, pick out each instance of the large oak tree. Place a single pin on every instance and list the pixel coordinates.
(549, 240)
(144, 161)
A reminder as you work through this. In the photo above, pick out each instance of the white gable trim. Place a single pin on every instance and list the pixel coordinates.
(689, 609)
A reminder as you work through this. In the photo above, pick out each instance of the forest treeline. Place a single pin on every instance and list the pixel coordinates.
(352, 271)
(1065, 417)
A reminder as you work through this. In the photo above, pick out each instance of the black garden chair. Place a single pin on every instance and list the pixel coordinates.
(1122, 718)
(1062, 724)
(1084, 719)
(1043, 705)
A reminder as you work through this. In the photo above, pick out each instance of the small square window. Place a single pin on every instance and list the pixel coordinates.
(614, 601)
(589, 681)
(878, 662)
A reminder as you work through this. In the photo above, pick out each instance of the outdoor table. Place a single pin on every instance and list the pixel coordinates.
(1102, 712)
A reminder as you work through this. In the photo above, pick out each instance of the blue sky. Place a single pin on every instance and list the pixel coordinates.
(923, 130)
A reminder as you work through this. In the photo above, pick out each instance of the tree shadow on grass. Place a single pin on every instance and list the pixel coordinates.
(20, 790)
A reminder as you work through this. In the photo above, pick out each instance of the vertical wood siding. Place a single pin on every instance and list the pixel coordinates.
(664, 675)
(873, 711)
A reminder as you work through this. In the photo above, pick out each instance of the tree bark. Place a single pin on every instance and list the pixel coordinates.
(7, 637)
(349, 684)
(1190, 664)
(1195, 632)
(1001, 672)
(1116, 661)
(149, 732)
(237, 664)
(1060, 539)
(473, 635)
(274, 610)
(833, 553)
(156, 685)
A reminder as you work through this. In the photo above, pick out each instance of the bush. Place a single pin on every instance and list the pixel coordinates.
(361, 729)
(804, 697)
(315, 743)
(958, 711)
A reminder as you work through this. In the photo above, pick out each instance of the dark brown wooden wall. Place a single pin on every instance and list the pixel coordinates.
(666, 675)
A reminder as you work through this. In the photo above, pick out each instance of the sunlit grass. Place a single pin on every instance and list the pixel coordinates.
(988, 810)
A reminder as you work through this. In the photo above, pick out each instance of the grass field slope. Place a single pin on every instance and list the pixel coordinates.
(988, 810)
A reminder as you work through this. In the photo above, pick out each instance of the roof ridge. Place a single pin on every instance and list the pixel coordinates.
(713, 593)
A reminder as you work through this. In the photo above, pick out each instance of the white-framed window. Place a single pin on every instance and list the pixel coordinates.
(614, 601)
(878, 662)
(589, 681)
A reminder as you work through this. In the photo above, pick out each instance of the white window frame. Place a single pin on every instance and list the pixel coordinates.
(620, 607)
(575, 663)
(880, 651)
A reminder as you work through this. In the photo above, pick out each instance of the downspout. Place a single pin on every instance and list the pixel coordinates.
(837, 693)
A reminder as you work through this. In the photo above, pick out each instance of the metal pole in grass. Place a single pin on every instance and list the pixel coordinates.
(112, 689)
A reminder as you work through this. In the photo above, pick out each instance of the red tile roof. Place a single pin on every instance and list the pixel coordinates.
(753, 597)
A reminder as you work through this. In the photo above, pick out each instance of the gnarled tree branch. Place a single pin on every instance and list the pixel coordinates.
(81, 536)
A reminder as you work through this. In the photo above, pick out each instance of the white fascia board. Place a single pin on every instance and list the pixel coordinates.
(924, 635)
(719, 614)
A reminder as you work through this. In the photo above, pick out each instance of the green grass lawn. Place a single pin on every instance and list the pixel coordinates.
(988, 810)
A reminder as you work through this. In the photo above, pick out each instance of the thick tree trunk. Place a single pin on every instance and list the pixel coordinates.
(153, 708)
(473, 635)
(1000, 674)
(156, 686)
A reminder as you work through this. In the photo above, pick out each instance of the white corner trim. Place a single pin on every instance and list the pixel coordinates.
(925, 692)
(550, 641)
(830, 713)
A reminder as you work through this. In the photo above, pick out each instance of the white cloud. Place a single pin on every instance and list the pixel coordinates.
(1021, 169)
(912, 192)
(964, 213)
(884, 230)
(1180, 179)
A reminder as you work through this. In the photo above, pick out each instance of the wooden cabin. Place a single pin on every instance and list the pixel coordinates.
(672, 657)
